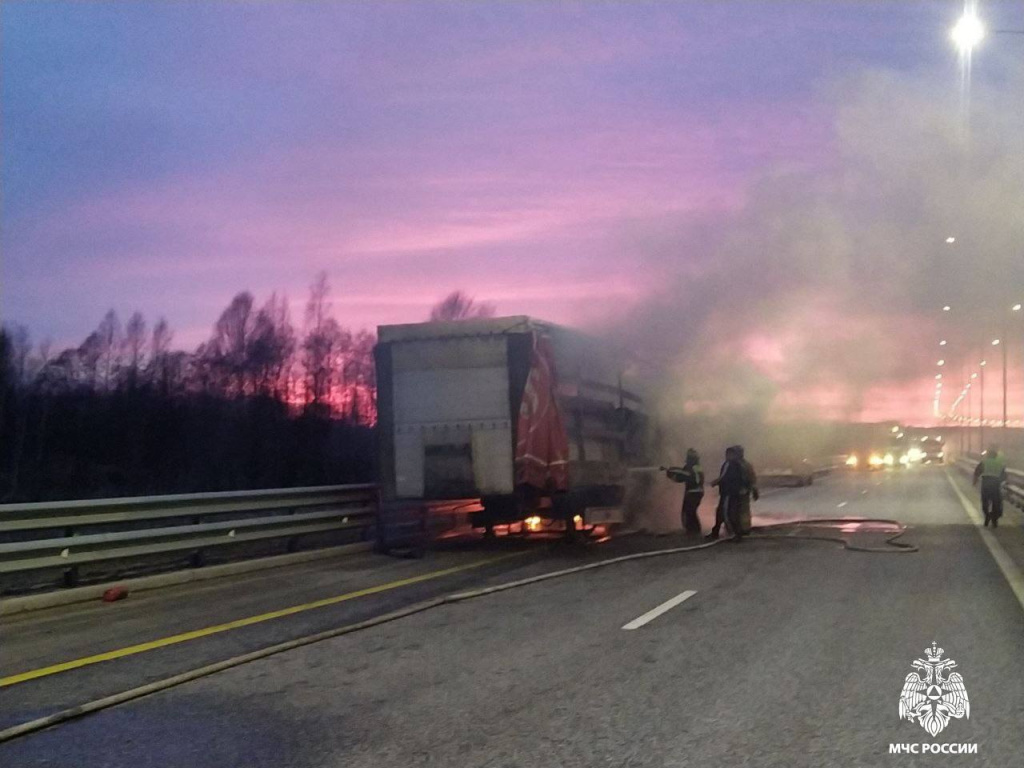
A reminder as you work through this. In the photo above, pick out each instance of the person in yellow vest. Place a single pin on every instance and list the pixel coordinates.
(991, 470)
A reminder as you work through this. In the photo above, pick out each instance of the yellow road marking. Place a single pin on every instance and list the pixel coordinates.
(1006, 564)
(195, 634)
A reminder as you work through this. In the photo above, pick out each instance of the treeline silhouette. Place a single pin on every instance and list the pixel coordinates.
(259, 405)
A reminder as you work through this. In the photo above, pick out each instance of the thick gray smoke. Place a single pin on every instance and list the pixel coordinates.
(826, 291)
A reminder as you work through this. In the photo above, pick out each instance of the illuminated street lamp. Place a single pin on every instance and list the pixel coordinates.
(946, 308)
(951, 240)
(941, 363)
(968, 32)
(995, 342)
(942, 343)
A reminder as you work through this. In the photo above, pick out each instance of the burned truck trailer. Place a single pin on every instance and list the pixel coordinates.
(531, 418)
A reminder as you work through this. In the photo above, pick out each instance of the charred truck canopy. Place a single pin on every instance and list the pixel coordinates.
(452, 415)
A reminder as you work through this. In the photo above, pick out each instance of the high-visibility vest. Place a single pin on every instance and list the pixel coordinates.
(993, 466)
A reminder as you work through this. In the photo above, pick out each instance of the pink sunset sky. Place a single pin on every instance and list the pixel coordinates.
(755, 184)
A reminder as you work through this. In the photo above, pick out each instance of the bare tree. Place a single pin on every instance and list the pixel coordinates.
(457, 305)
(108, 338)
(270, 347)
(158, 371)
(85, 366)
(322, 346)
(362, 379)
(133, 348)
(227, 353)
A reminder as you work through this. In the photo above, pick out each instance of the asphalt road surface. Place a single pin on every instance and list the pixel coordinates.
(771, 652)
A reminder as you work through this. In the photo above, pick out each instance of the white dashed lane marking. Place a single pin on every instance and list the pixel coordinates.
(654, 613)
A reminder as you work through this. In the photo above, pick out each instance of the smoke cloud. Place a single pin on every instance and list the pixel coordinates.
(821, 300)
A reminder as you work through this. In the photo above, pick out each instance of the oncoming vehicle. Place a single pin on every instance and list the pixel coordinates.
(880, 460)
(932, 450)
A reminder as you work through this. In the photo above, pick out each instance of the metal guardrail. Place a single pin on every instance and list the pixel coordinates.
(1014, 486)
(69, 534)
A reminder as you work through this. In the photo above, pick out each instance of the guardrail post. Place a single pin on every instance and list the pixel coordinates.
(198, 558)
(70, 575)
(292, 545)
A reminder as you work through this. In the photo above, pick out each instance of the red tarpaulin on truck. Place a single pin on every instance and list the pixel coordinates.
(542, 445)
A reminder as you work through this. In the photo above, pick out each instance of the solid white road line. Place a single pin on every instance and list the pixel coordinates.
(1009, 568)
(654, 613)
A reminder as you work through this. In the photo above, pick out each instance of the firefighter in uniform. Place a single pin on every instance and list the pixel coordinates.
(729, 483)
(748, 490)
(691, 475)
(991, 470)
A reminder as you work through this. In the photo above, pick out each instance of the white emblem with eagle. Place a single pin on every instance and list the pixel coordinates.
(934, 695)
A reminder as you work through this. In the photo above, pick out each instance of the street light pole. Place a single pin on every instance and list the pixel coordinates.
(960, 428)
(1004, 389)
(981, 410)
(970, 415)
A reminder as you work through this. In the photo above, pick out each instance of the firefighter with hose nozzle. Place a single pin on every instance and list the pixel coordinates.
(691, 475)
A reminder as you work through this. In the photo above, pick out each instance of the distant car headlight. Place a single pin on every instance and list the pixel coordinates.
(851, 461)
(904, 460)
(889, 460)
(875, 460)
(940, 454)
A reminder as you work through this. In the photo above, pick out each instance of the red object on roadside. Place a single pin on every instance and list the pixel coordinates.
(542, 447)
(115, 593)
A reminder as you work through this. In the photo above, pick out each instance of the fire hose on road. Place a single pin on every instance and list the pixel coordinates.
(891, 531)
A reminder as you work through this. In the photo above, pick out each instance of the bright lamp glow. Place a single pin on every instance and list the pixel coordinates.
(950, 240)
(1016, 307)
(968, 31)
